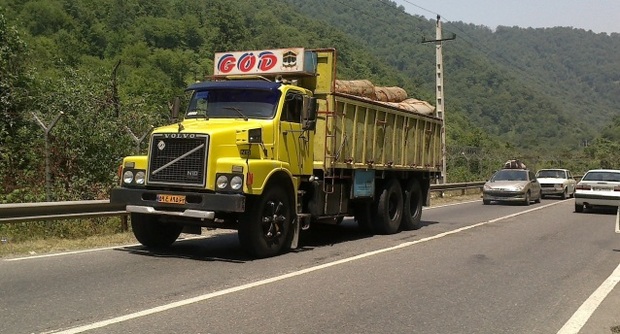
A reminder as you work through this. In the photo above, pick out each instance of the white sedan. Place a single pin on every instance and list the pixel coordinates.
(556, 182)
(598, 188)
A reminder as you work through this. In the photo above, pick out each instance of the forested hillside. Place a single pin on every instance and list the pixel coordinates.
(533, 87)
(113, 66)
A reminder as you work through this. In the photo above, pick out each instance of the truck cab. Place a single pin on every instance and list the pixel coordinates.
(238, 137)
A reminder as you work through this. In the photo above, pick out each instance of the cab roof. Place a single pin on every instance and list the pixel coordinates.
(236, 84)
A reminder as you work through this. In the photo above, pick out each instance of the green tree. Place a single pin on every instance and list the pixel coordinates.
(15, 97)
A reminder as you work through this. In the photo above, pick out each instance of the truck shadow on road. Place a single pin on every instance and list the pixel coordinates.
(225, 247)
(329, 235)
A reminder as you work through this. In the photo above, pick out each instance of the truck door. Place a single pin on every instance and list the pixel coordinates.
(295, 143)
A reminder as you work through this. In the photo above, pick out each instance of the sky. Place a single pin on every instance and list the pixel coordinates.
(596, 15)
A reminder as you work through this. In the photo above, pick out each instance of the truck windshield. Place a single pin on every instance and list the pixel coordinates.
(233, 103)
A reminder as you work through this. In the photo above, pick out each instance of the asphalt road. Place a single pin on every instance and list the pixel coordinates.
(471, 268)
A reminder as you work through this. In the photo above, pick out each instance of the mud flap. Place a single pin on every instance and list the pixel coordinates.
(296, 231)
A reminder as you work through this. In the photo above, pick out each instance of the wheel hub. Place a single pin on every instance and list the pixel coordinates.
(275, 219)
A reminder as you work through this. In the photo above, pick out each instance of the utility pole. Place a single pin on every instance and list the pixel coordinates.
(439, 98)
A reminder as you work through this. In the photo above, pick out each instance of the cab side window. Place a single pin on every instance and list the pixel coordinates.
(293, 105)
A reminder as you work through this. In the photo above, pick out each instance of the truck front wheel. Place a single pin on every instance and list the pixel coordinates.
(152, 233)
(413, 206)
(266, 227)
(389, 211)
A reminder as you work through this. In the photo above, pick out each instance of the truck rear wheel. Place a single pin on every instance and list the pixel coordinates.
(389, 210)
(266, 228)
(412, 206)
(152, 233)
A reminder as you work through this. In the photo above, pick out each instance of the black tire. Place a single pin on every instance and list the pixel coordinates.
(486, 202)
(152, 233)
(539, 197)
(266, 229)
(578, 208)
(363, 217)
(412, 206)
(389, 209)
(564, 194)
(528, 199)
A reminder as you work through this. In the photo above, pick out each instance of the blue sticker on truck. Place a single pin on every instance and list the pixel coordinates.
(363, 183)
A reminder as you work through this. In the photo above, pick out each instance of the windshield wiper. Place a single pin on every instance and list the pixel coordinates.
(199, 112)
(245, 118)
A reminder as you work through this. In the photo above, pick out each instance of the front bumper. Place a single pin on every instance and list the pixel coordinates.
(552, 190)
(503, 196)
(198, 205)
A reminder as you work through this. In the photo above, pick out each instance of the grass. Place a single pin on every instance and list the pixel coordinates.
(15, 247)
(57, 245)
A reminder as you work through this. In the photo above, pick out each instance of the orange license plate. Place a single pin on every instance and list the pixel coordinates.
(172, 199)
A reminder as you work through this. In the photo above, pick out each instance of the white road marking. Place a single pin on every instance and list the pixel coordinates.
(211, 295)
(93, 250)
(450, 204)
(585, 311)
(67, 253)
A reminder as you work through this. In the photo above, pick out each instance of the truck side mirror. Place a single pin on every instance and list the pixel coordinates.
(176, 107)
(309, 113)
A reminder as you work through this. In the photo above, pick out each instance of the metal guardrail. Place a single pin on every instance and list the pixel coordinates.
(23, 212)
(457, 186)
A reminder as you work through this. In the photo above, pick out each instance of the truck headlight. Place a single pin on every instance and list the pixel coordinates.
(229, 182)
(222, 182)
(236, 182)
(128, 177)
(140, 177)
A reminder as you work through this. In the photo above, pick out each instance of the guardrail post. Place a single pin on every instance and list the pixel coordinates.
(48, 174)
(137, 140)
(124, 225)
(618, 220)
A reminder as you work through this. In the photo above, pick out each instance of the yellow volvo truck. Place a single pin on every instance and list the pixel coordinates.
(268, 147)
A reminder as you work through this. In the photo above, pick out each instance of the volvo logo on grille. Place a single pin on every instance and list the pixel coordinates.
(161, 145)
(180, 135)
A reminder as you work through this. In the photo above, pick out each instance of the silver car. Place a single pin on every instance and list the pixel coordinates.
(556, 182)
(512, 185)
(598, 187)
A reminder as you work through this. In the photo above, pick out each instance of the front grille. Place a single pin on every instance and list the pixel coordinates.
(178, 159)
(547, 185)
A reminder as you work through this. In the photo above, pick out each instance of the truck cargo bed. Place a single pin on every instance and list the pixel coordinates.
(356, 132)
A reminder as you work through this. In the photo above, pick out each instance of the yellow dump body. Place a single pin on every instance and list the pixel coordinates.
(355, 132)
(358, 132)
